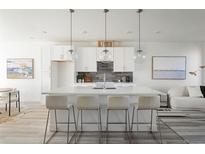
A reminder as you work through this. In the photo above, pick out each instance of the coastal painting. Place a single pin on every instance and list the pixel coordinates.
(20, 68)
(169, 67)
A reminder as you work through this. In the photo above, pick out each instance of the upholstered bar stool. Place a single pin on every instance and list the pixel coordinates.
(151, 103)
(88, 103)
(118, 103)
(59, 103)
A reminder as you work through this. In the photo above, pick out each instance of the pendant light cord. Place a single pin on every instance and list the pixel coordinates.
(71, 30)
(139, 32)
(139, 12)
(105, 18)
(105, 29)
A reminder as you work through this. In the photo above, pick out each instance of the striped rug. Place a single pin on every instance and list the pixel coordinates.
(190, 125)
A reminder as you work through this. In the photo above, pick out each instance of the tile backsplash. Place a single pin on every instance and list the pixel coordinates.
(99, 77)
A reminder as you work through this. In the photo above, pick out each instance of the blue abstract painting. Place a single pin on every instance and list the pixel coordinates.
(20, 68)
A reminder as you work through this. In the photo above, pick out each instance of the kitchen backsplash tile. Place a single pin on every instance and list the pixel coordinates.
(99, 77)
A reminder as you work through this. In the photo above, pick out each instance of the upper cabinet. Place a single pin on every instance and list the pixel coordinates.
(118, 59)
(129, 64)
(60, 53)
(123, 59)
(86, 61)
(101, 54)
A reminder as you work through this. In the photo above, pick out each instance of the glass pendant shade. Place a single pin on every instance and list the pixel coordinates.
(73, 54)
(107, 56)
(139, 57)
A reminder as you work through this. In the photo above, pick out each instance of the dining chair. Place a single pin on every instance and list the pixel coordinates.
(10, 96)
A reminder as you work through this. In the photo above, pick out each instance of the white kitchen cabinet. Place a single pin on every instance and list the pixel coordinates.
(129, 64)
(60, 53)
(118, 60)
(45, 68)
(86, 61)
(123, 59)
(101, 53)
(56, 71)
(45, 58)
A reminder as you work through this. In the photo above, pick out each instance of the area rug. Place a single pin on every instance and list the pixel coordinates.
(190, 125)
(4, 116)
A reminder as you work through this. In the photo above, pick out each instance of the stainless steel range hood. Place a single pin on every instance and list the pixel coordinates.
(104, 66)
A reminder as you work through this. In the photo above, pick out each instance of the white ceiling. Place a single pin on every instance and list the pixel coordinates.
(88, 25)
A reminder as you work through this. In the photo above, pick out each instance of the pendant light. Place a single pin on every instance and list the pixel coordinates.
(106, 56)
(139, 54)
(72, 52)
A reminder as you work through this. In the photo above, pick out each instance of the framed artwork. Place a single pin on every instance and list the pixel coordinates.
(20, 68)
(169, 67)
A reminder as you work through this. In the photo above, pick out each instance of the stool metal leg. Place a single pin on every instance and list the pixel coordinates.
(133, 114)
(126, 120)
(74, 118)
(19, 101)
(44, 140)
(107, 122)
(68, 126)
(6, 107)
(100, 119)
(137, 120)
(56, 120)
(159, 127)
(151, 120)
(81, 120)
(78, 118)
(128, 116)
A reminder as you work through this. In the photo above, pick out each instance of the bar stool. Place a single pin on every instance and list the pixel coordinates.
(59, 103)
(88, 103)
(118, 103)
(151, 103)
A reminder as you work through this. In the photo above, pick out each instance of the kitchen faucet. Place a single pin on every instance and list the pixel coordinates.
(104, 79)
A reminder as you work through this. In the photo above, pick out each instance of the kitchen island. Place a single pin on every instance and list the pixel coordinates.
(116, 116)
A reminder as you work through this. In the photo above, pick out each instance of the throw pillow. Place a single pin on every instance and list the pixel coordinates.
(194, 91)
(203, 90)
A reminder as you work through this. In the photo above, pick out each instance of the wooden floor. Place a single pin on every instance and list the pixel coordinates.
(28, 127)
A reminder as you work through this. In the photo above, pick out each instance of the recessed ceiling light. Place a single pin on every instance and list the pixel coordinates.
(129, 32)
(44, 32)
(84, 32)
(157, 32)
(31, 37)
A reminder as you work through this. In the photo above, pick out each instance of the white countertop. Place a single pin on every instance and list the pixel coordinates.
(117, 84)
(88, 90)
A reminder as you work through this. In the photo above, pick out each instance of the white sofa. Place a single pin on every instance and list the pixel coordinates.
(179, 99)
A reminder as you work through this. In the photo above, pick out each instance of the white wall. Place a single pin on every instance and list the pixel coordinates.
(203, 63)
(31, 89)
(193, 52)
